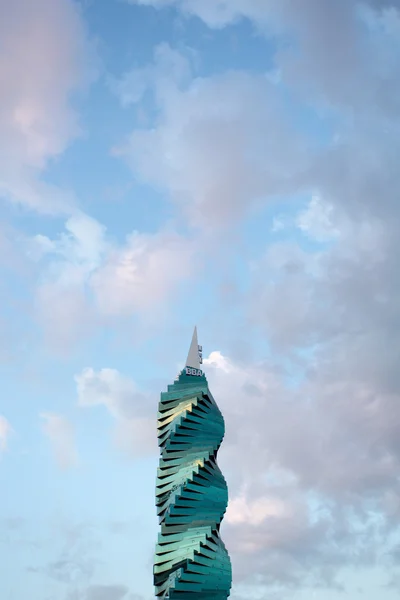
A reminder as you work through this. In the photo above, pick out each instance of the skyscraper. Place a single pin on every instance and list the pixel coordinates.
(191, 560)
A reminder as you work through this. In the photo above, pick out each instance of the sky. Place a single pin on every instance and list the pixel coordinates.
(230, 164)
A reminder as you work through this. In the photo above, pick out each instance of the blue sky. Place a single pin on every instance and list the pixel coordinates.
(166, 163)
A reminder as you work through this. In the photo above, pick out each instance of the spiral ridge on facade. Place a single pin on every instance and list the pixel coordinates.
(191, 560)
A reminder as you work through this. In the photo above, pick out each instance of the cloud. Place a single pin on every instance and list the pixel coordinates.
(168, 66)
(215, 14)
(61, 435)
(65, 265)
(13, 523)
(311, 451)
(106, 592)
(244, 510)
(5, 432)
(134, 430)
(140, 275)
(73, 563)
(85, 277)
(341, 434)
(331, 51)
(218, 160)
(215, 157)
(344, 298)
(308, 470)
(316, 221)
(37, 120)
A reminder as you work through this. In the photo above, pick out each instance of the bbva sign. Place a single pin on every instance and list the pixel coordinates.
(193, 371)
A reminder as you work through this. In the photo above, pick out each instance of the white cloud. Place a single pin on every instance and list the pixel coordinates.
(5, 432)
(316, 221)
(278, 224)
(244, 510)
(215, 157)
(342, 58)
(215, 13)
(61, 435)
(86, 278)
(142, 274)
(61, 296)
(168, 67)
(134, 430)
(45, 58)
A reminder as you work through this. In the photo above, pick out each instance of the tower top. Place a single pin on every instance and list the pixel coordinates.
(194, 358)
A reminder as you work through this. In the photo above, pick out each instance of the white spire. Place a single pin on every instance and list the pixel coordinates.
(193, 359)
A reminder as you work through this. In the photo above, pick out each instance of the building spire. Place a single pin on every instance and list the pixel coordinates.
(194, 359)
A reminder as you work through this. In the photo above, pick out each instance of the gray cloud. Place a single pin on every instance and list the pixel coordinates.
(328, 47)
(311, 467)
(106, 592)
(103, 592)
(74, 564)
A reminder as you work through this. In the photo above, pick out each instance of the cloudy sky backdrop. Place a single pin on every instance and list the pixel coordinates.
(227, 163)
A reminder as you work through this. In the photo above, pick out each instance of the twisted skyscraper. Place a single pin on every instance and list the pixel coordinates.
(191, 560)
